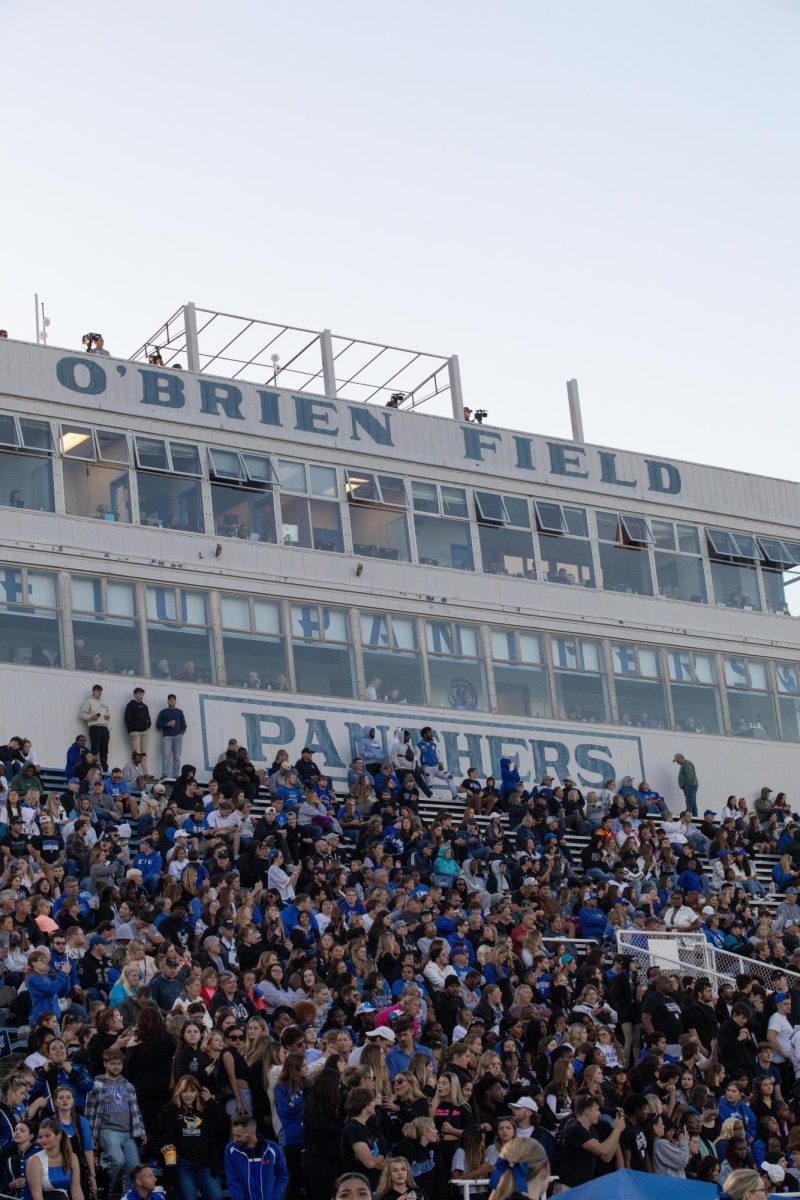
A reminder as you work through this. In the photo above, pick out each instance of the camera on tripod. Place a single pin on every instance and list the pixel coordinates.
(90, 341)
(480, 415)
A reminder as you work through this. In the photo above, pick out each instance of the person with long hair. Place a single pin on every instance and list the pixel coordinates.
(322, 1128)
(361, 1148)
(289, 1107)
(23, 1141)
(148, 1062)
(451, 1115)
(396, 1181)
(521, 1172)
(190, 1058)
(197, 1127)
(77, 1130)
(53, 1167)
(418, 1144)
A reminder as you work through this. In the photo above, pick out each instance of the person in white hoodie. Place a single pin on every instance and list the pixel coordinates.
(405, 759)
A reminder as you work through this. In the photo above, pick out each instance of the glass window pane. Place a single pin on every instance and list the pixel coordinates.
(9, 435)
(404, 633)
(26, 481)
(490, 507)
(457, 684)
(753, 715)
(306, 622)
(440, 637)
(736, 585)
(393, 678)
(105, 644)
(636, 529)
(649, 665)
(680, 577)
(11, 587)
(518, 512)
(788, 676)
(30, 636)
(721, 543)
(267, 617)
(577, 524)
(747, 547)
(507, 551)
(608, 529)
(688, 539)
(185, 458)
(565, 653)
(182, 654)
(42, 590)
(193, 608)
(323, 481)
(379, 533)
(87, 594)
(96, 490)
(323, 670)
(664, 535)
(258, 468)
(255, 663)
(292, 475)
(225, 464)
(161, 605)
(567, 560)
(522, 691)
(592, 656)
(581, 697)
(120, 599)
(642, 703)
(151, 454)
(334, 623)
(444, 543)
(454, 502)
(468, 640)
(375, 629)
(167, 502)
(530, 648)
(326, 526)
(361, 486)
(704, 670)
(425, 497)
(504, 645)
(625, 569)
(76, 441)
(697, 709)
(113, 446)
(789, 707)
(623, 656)
(393, 490)
(235, 612)
(243, 513)
(36, 435)
(549, 517)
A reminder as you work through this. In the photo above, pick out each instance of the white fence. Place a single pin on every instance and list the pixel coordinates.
(691, 954)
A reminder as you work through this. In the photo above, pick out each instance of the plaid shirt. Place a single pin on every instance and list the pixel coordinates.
(106, 1097)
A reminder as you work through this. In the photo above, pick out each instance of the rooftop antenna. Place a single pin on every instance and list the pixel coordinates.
(276, 368)
(41, 329)
(575, 410)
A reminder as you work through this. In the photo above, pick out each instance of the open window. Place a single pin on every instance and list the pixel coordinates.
(734, 557)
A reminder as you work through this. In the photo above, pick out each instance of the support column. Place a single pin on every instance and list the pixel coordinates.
(328, 373)
(192, 347)
(456, 395)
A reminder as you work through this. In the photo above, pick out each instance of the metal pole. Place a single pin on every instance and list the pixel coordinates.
(190, 326)
(456, 395)
(575, 410)
(36, 307)
(328, 373)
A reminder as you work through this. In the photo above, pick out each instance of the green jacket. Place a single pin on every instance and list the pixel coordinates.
(687, 776)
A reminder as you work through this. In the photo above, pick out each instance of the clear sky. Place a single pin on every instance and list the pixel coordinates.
(599, 188)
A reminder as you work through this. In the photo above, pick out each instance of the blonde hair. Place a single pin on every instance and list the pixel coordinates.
(739, 1183)
(525, 1151)
(415, 1129)
(386, 1184)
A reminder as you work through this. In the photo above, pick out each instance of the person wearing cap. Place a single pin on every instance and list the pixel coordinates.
(522, 1111)
(591, 919)
(787, 914)
(93, 969)
(688, 782)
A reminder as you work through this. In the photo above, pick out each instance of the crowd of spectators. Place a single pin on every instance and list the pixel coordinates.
(272, 997)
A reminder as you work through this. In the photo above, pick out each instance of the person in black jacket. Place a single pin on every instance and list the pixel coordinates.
(737, 1045)
(321, 1157)
(197, 1127)
(137, 722)
(621, 995)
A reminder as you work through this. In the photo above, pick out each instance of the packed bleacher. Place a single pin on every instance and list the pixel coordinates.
(401, 985)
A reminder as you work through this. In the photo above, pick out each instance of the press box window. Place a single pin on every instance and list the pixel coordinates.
(504, 532)
(564, 545)
(679, 566)
(694, 692)
(734, 573)
(441, 524)
(310, 520)
(581, 689)
(26, 469)
(392, 666)
(779, 571)
(94, 483)
(520, 674)
(253, 644)
(377, 504)
(168, 484)
(641, 694)
(179, 635)
(788, 679)
(624, 538)
(241, 495)
(323, 655)
(29, 628)
(750, 701)
(105, 630)
(455, 669)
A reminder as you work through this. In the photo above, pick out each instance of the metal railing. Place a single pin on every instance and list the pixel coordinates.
(691, 954)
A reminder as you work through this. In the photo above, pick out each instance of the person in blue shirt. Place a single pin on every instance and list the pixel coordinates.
(592, 920)
(510, 777)
(399, 1056)
(732, 1105)
(290, 792)
(691, 879)
(145, 1185)
(149, 862)
(369, 748)
(255, 1168)
(76, 754)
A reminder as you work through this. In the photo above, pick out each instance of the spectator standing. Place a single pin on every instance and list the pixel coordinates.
(255, 1168)
(172, 724)
(115, 1120)
(688, 782)
(137, 723)
(95, 714)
